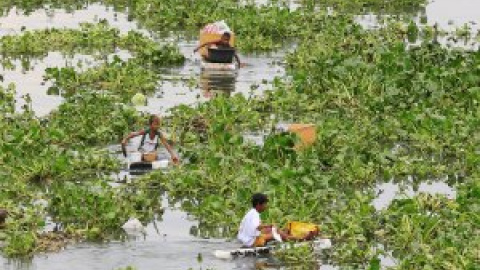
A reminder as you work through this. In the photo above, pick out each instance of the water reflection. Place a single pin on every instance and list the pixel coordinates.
(214, 83)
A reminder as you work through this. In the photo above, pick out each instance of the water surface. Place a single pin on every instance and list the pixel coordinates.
(173, 246)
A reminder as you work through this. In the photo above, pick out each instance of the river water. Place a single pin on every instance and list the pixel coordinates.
(173, 246)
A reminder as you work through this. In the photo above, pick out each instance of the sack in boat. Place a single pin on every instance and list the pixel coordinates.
(219, 27)
(150, 157)
(132, 224)
(301, 229)
(213, 32)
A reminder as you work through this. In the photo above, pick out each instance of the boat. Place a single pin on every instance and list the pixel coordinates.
(209, 66)
(137, 164)
(256, 251)
(219, 59)
(142, 167)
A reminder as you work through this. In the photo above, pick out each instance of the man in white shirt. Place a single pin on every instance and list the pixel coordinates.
(253, 233)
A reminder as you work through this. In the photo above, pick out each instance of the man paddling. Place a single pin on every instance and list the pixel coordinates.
(253, 233)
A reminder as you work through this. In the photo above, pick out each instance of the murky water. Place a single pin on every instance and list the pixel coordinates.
(390, 191)
(450, 14)
(259, 70)
(173, 246)
(250, 80)
(13, 22)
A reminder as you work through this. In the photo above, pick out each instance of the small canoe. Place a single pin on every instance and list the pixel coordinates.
(218, 66)
(256, 251)
(137, 166)
(142, 167)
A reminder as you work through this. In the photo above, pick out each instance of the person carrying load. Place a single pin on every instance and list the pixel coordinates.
(252, 233)
(151, 137)
(222, 43)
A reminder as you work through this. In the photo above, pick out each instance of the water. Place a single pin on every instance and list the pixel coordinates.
(13, 22)
(173, 246)
(390, 191)
(259, 73)
(260, 69)
(450, 14)
(31, 82)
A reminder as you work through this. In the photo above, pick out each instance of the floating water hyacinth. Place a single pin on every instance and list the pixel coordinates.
(366, 90)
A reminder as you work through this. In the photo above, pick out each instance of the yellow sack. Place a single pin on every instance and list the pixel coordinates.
(301, 229)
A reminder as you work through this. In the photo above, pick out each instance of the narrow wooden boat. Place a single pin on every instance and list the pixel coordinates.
(256, 251)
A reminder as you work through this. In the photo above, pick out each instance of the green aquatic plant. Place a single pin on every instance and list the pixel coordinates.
(122, 78)
(365, 6)
(27, 6)
(433, 232)
(127, 268)
(92, 39)
(92, 210)
(386, 109)
(259, 27)
(44, 154)
(297, 256)
(93, 118)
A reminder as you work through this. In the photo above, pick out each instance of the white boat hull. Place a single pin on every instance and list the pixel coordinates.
(218, 66)
(255, 251)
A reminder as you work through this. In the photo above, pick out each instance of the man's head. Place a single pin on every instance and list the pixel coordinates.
(259, 201)
(225, 38)
(154, 122)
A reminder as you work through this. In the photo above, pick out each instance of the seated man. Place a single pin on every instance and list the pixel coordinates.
(254, 234)
(223, 42)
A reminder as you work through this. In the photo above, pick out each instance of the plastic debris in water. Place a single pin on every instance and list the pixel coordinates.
(133, 224)
(139, 99)
(276, 235)
(324, 243)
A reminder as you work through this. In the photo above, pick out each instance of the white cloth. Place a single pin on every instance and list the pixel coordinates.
(249, 228)
(149, 144)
